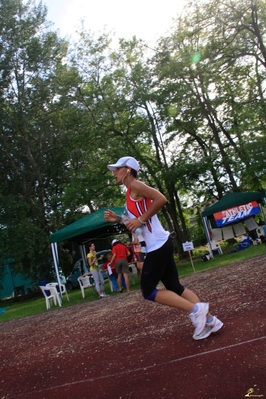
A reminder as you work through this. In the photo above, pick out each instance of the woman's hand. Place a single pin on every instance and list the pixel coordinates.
(133, 224)
(110, 216)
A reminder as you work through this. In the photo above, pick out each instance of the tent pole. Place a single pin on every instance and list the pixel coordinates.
(56, 265)
(82, 250)
(204, 219)
(262, 212)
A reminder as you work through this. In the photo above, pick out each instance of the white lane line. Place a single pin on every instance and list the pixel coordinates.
(144, 368)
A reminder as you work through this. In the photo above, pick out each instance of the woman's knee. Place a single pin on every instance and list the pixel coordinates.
(150, 296)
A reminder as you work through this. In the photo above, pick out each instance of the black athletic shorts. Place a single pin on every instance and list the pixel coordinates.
(159, 265)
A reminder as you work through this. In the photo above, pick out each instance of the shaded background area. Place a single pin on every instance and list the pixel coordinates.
(125, 347)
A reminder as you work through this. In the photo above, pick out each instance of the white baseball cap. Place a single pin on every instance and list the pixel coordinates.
(114, 241)
(124, 162)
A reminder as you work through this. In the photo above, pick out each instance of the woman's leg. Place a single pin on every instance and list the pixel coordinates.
(119, 281)
(160, 265)
(95, 276)
(123, 281)
(101, 280)
(139, 268)
(190, 296)
(170, 298)
(127, 281)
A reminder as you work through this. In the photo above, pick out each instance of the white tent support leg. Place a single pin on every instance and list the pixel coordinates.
(56, 265)
(205, 224)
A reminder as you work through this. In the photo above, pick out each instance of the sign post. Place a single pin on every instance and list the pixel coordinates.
(188, 247)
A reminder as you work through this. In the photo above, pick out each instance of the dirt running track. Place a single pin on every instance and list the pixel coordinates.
(124, 347)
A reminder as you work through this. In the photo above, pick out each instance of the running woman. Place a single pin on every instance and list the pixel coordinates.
(143, 203)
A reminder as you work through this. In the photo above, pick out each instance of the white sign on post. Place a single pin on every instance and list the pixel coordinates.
(187, 247)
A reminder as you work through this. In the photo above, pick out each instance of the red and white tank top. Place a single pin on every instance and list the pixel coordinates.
(153, 232)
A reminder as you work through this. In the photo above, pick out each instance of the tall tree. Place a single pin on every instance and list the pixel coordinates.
(36, 88)
(207, 88)
(118, 96)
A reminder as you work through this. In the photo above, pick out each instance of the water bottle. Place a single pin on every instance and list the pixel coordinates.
(125, 219)
(138, 231)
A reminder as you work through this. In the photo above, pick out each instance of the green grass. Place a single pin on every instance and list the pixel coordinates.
(185, 269)
(21, 307)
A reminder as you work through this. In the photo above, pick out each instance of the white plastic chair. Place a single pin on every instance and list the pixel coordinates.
(63, 290)
(51, 297)
(215, 247)
(85, 282)
(111, 285)
(261, 230)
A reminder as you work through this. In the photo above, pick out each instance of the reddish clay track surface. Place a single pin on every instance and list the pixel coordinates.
(124, 347)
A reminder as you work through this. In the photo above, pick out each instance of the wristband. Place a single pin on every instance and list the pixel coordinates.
(141, 221)
(118, 219)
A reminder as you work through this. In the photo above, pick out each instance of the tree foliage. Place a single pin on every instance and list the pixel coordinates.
(191, 110)
(35, 94)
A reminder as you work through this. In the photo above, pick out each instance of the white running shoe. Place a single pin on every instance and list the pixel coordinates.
(199, 318)
(104, 295)
(214, 326)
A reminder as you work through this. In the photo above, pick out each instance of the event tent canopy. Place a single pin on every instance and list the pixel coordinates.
(225, 204)
(89, 227)
(233, 199)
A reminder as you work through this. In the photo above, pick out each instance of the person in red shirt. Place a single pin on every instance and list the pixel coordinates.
(119, 258)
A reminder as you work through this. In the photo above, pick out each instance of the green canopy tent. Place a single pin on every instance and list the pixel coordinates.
(229, 201)
(233, 199)
(90, 227)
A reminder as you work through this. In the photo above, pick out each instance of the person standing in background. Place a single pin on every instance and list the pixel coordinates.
(120, 254)
(95, 271)
(130, 247)
(139, 246)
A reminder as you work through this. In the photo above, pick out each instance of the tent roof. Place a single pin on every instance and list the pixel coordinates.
(233, 199)
(90, 227)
